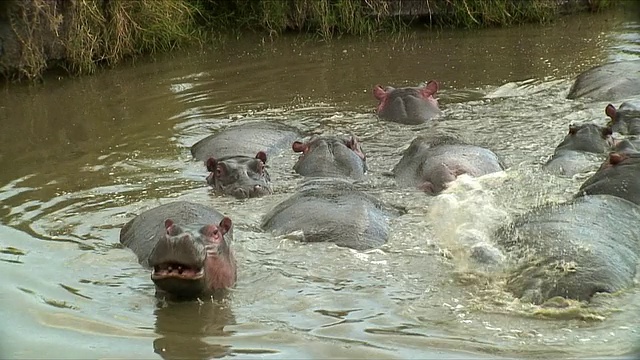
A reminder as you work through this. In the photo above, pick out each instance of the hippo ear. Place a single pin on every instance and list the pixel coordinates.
(225, 225)
(262, 156)
(615, 158)
(352, 142)
(379, 93)
(211, 164)
(573, 129)
(610, 111)
(430, 89)
(168, 223)
(299, 147)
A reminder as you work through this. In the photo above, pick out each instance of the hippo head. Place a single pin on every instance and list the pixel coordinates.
(240, 176)
(588, 138)
(407, 105)
(617, 176)
(330, 156)
(626, 119)
(187, 264)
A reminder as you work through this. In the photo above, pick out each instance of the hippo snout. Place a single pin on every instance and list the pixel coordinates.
(241, 193)
(249, 192)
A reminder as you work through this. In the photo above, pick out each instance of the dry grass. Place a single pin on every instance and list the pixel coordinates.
(90, 32)
(82, 34)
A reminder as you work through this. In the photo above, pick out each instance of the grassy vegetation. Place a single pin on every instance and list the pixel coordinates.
(83, 34)
(108, 31)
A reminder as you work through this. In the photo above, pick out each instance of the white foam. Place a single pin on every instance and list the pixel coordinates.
(465, 215)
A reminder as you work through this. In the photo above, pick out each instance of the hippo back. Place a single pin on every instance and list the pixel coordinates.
(246, 139)
(142, 233)
(334, 212)
(573, 250)
(425, 162)
(608, 82)
(572, 162)
(618, 176)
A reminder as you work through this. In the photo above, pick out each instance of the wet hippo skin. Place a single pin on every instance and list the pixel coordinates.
(186, 245)
(407, 105)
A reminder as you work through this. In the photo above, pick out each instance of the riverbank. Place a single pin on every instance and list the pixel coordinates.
(80, 36)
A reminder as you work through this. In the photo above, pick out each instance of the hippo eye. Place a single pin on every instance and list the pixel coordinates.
(260, 167)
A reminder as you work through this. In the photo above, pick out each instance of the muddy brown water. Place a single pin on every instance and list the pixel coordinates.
(82, 156)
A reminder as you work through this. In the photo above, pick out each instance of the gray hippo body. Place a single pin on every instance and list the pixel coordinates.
(246, 139)
(607, 82)
(187, 246)
(581, 149)
(236, 157)
(431, 162)
(407, 105)
(330, 156)
(332, 210)
(626, 119)
(588, 245)
(625, 146)
(618, 176)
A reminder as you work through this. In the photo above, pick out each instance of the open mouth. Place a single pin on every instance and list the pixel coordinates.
(176, 271)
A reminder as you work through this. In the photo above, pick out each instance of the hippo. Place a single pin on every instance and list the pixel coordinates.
(240, 176)
(432, 161)
(187, 246)
(588, 245)
(579, 149)
(332, 210)
(245, 139)
(607, 82)
(624, 146)
(617, 177)
(330, 156)
(236, 157)
(626, 119)
(407, 105)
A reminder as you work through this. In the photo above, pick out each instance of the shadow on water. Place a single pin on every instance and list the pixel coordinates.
(83, 156)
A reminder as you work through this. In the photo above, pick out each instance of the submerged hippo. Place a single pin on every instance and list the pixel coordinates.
(431, 162)
(624, 146)
(588, 245)
(407, 105)
(330, 156)
(246, 139)
(240, 176)
(236, 157)
(611, 81)
(626, 119)
(332, 210)
(187, 246)
(579, 149)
